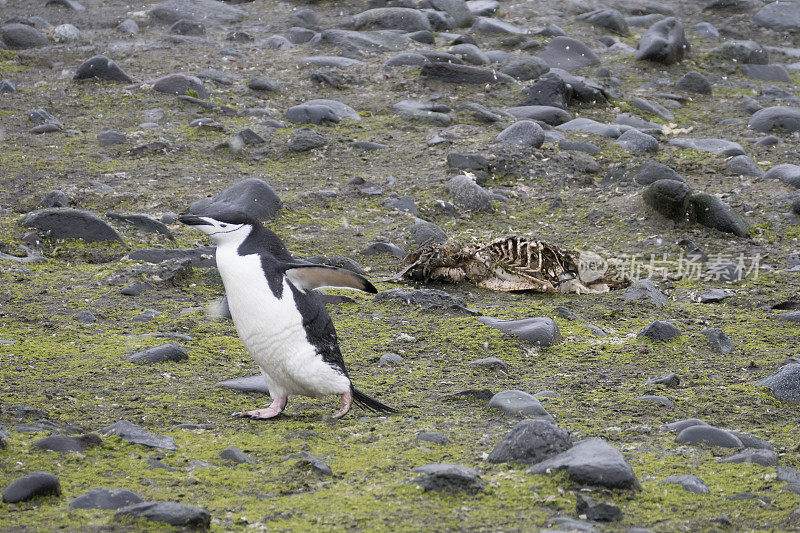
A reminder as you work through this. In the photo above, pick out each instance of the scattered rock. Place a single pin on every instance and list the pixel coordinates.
(715, 146)
(392, 18)
(635, 141)
(34, 485)
(423, 231)
(249, 384)
(776, 118)
(518, 403)
(660, 331)
(786, 172)
(694, 82)
(133, 433)
(712, 212)
(597, 510)
(568, 54)
(522, 133)
(160, 354)
(708, 435)
(435, 437)
(64, 444)
(744, 166)
(470, 195)
(425, 298)
(785, 384)
(664, 42)
(530, 442)
(454, 73)
(539, 331)
(752, 455)
(689, 482)
(720, 342)
(252, 196)
(61, 223)
(445, 477)
(592, 462)
(105, 499)
(21, 36)
(232, 453)
(212, 12)
(175, 514)
(652, 171)
(312, 462)
(180, 84)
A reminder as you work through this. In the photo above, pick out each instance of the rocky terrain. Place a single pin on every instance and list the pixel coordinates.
(661, 136)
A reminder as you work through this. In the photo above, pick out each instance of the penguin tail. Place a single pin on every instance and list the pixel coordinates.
(369, 403)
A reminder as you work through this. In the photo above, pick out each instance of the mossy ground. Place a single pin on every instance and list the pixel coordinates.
(77, 373)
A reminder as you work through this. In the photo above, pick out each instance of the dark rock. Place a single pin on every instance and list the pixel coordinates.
(212, 12)
(712, 212)
(492, 363)
(85, 317)
(252, 196)
(786, 172)
(472, 162)
(469, 194)
(694, 82)
(102, 68)
(297, 35)
(525, 68)
(635, 141)
(403, 203)
(180, 84)
(668, 197)
(7, 86)
(105, 499)
(671, 380)
(312, 462)
(592, 462)
(202, 257)
(494, 26)
(34, 485)
(406, 59)
(785, 384)
(370, 146)
(711, 295)
(175, 514)
(743, 52)
(522, 133)
(445, 477)
(159, 354)
(64, 444)
(331, 61)
(423, 231)
(690, 483)
(249, 384)
(578, 146)
(40, 426)
(539, 331)
(715, 146)
(133, 433)
(306, 139)
(587, 125)
(311, 114)
(568, 54)
(664, 42)
(187, 27)
(652, 108)
(652, 171)
(384, 248)
(142, 222)
(55, 199)
(424, 298)
(609, 19)
(423, 36)
(435, 437)
(392, 18)
(60, 223)
(597, 510)
(128, 26)
(40, 116)
(752, 455)
(657, 400)
(21, 36)
(366, 41)
(304, 18)
(708, 435)
(453, 73)
(69, 4)
(518, 403)
(541, 113)
(111, 137)
(430, 113)
(470, 54)
(777, 117)
(232, 453)
(744, 166)
(680, 425)
(45, 128)
(767, 73)
(720, 342)
(530, 442)
(457, 9)
(660, 331)
(779, 16)
(278, 42)
(391, 359)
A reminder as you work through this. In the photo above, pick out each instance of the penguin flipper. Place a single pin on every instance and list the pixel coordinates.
(306, 277)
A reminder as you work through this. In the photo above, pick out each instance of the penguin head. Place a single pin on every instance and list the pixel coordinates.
(224, 226)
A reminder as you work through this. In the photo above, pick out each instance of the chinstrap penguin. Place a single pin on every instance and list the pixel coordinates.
(279, 318)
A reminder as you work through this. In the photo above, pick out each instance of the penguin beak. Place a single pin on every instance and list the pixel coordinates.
(193, 220)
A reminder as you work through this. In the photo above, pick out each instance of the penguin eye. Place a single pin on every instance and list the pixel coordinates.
(223, 225)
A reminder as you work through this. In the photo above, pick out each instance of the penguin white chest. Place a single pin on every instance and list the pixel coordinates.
(271, 329)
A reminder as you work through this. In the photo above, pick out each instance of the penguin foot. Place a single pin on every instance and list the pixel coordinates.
(347, 400)
(274, 409)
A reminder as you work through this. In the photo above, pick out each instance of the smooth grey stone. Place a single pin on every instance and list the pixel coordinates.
(598, 510)
(102, 68)
(306, 139)
(212, 12)
(62, 223)
(249, 384)
(608, 19)
(670, 380)
(312, 462)
(128, 26)
(390, 359)
(744, 166)
(457, 9)
(370, 146)
(652, 107)
(786, 172)
(578, 146)
(769, 140)
(454, 73)
(635, 141)
(680, 425)
(494, 26)
(403, 203)
(34, 485)
(135, 289)
(45, 128)
(492, 363)
(551, 115)
(252, 196)
(367, 41)
(105, 499)
(111, 137)
(742, 52)
(712, 296)
(720, 342)
(424, 298)
(779, 16)
(69, 4)
(392, 18)
(436, 56)
(133, 433)
(175, 514)
(689, 482)
(278, 42)
(384, 248)
(752, 455)
(522, 133)
(435, 437)
(587, 125)
(145, 316)
(39, 426)
(179, 84)
(714, 146)
(142, 222)
(518, 403)
(539, 331)
(525, 68)
(65, 444)
(331, 61)
(592, 462)
(657, 400)
(7, 86)
(470, 195)
(483, 8)
(232, 453)
(473, 162)
(791, 316)
(652, 171)
(85, 317)
(568, 54)
(694, 82)
(160, 354)
(785, 384)
(767, 73)
(645, 126)
(446, 477)
(776, 117)
(55, 199)
(406, 59)
(304, 18)
(708, 435)
(40, 116)
(423, 232)
(660, 331)
(530, 442)
(297, 35)
(21, 36)
(187, 27)
(342, 110)
(470, 53)
(423, 36)
(664, 42)
(668, 197)
(430, 113)
(712, 212)
(498, 56)
(311, 114)
(202, 257)
(706, 30)
(571, 525)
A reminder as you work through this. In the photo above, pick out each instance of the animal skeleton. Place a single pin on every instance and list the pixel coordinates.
(514, 263)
